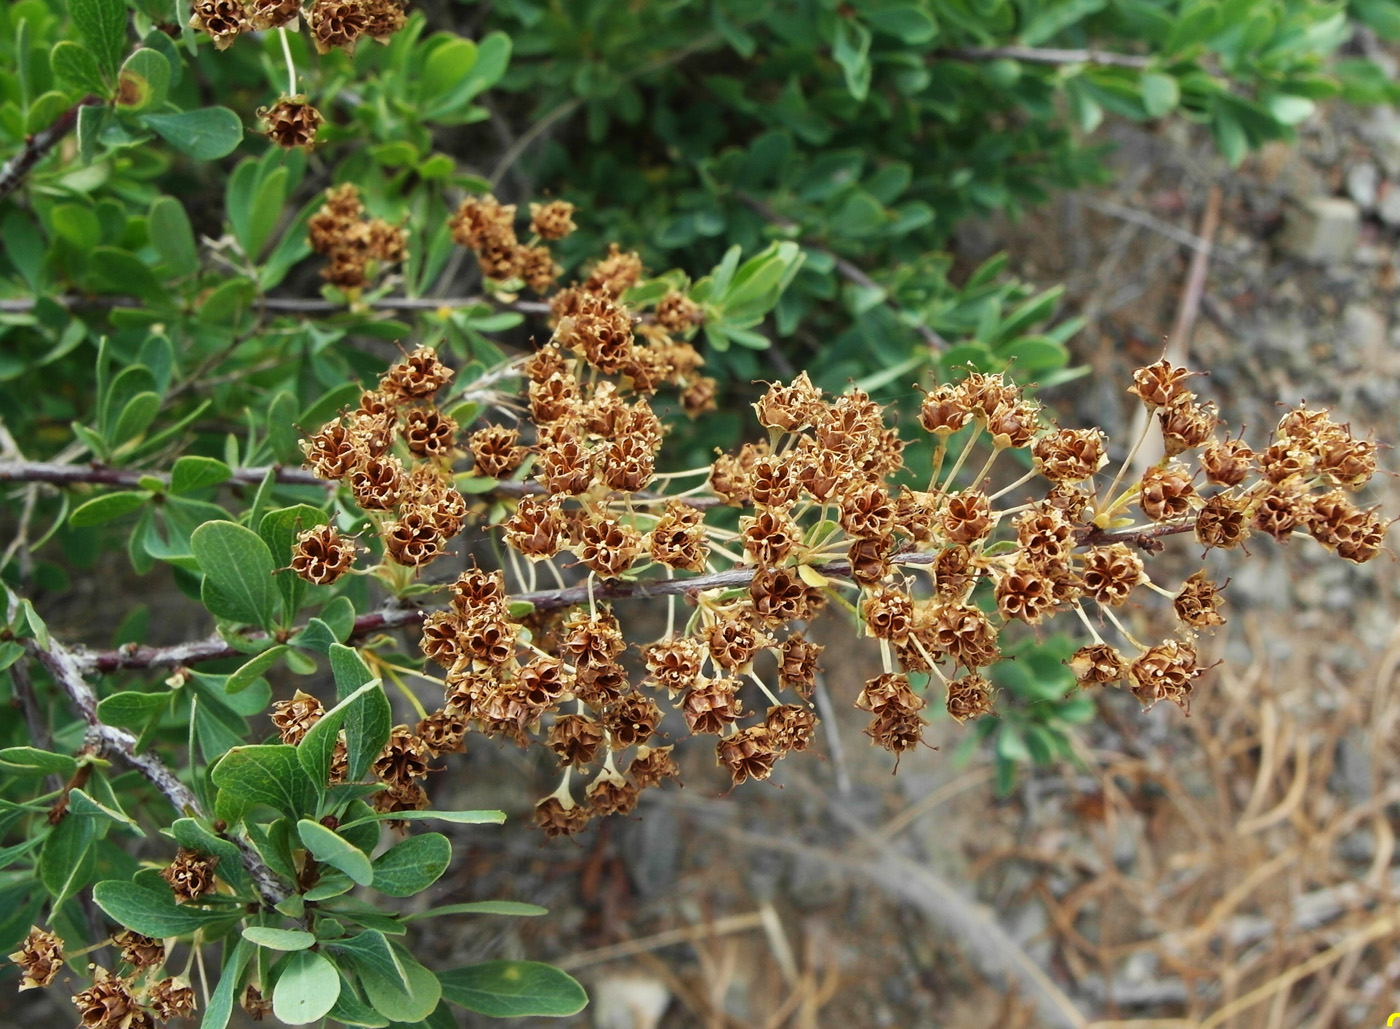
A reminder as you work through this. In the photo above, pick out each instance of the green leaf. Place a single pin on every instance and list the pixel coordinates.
(252, 670)
(513, 908)
(306, 989)
(446, 66)
(267, 774)
(205, 135)
(460, 817)
(150, 910)
(173, 237)
(192, 473)
(412, 866)
(278, 939)
(33, 761)
(107, 507)
(143, 81)
(101, 26)
(367, 726)
(238, 571)
(909, 23)
(190, 833)
(513, 989)
(370, 950)
(220, 1007)
(350, 1010)
(390, 999)
(135, 418)
(316, 750)
(851, 49)
(80, 802)
(66, 860)
(1290, 110)
(326, 846)
(77, 68)
(92, 119)
(1160, 93)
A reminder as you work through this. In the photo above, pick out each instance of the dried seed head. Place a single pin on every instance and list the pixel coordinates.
(443, 732)
(780, 597)
(1279, 509)
(1165, 672)
(1339, 525)
(321, 555)
(652, 766)
(869, 560)
(1070, 455)
(1112, 573)
(1097, 665)
(419, 375)
(400, 796)
(1348, 462)
(789, 408)
(1222, 522)
(733, 643)
(631, 721)
(967, 516)
(712, 705)
(291, 122)
(699, 397)
(538, 269)
(413, 540)
(1014, 425)
(1159, 383)
(535, 528)
(1165, 492)
(889, 614)
(797, 664)
(139, 951)
(614, 274)
(383, 18)
(403, 759)
(678, 538)
(575, 739)
(748, 754)
(1044, 535)
(969, 697)
(896, 730)
(190, 875)
(171, 998)
(608, 547)
(964, 632)
(675, 663)
(557, 820)
(592, 641)
(109, 1004)
(496, 451)
(553, 220)
(220, 20)
(1227, 462)
(1186, 424)
(1024, 593)
(945, 410)
(293, 718)
(677, 313)
(337, 25)
(611, 794)
(253, 1002)
(1197, 601)
(331, 453)
(792, 727)
(271, 14)
(39, 958)
(769, 537)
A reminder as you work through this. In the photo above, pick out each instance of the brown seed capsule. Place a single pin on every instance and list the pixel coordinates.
(712, 705)
(867, 513)
(337, 25)
(536, 527)
(482, 222)
(769, 537)
(1222, 521)
(611, 794)
(677, 313)
(1111, 574)
(443, 732)
(1024, 593)
(631, 721)
(967, 516)
(139, 951)
(733, 642)
(414, 540)
(39, 958)
(1197, 601)
(792, 727)
(418, 376)
(969, 697)
(403, 759)
(678, 538)
(1070, 455)
(779, 597)
(253, 1002)
(1159, 383)
(888, 613)
(748, 754)
(1098, 664)
(1186, 424)
(383, 18)
(291, 123)
(293, 718)
(400, 796)
(190, 875)
(699, 397)
(1227, 462)
(429, 433)
(1165, 672)
(271, 14)
(609, 547)
(171, 998)
(331, 453)
(945, 410)
(652, 766)
(1278, 510)
(553, 220)
(869, 560)
(1165, 492)
(221, 20)
(552, 816)
(964, 632)
(377, 483)
(109, 1004)
(321, 555)
(575, 739)
(614, 274)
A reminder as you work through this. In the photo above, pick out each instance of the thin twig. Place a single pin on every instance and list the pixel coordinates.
(1045, 55)
(293, 305)
(67, 670)
(37, 147)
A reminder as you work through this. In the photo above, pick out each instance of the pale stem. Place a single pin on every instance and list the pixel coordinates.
(957, 465)
(982, 474)
(885, 660)
(203, 976)
(681, 475)
(1108, 613)
(1079, 610)
(291, 72)
(391, 673)
(592, 606)
(1019, 482)
(561, 792)
(1159, 589)
(727, 553)
(939, 453)
(670, 607)
(1127, 463)
(766, 691)
(554, 570)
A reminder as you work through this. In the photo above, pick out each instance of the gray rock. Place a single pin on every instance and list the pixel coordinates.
(1321, 229)
(1363, 185)
(1388, 209)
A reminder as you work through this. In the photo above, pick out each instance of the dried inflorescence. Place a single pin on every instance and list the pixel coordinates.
(291, 122)
(359, 247)
(936, 576)
(39, 959)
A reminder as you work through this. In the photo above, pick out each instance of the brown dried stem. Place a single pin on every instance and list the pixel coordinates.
(37, 147)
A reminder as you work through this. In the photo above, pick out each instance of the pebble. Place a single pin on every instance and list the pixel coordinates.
(1363, 184)
(1321, 229)
(1389, 207)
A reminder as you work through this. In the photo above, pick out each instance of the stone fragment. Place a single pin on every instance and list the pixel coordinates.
(1321, 229)
(1363, 184)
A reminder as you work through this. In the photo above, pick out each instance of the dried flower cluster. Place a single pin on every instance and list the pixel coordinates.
(934, 575)
(487, 228)
(359, 247)
(139, 998)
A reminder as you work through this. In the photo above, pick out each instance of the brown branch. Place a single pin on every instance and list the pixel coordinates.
(37, 147)
(57, 474)
(291, 305)
(1044, 55)
(67, 669)
(215, 648)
